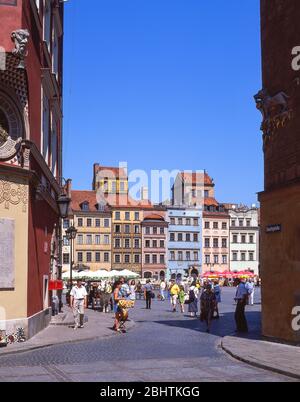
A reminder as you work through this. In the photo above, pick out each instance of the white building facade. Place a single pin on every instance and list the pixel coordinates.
(244, 238)
(184, 242)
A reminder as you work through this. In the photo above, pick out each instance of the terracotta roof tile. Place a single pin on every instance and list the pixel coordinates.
(210, 202)
(197, 178)
(78, 197)
(154, 217)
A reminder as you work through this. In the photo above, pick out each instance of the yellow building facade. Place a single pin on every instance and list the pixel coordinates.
(127, 238)
(92, 246)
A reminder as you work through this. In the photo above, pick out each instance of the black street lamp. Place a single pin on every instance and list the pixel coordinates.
(63, 202)
(71, 234)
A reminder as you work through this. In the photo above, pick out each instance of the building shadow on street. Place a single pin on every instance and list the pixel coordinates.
(224, 326)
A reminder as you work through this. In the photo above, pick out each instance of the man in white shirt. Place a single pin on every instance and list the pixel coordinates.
(78, 303)
(251, 288)
(162, 290)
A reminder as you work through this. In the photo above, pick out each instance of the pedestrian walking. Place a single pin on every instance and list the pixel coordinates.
(148, 293)
(117, 296)
(124, 287)
(139, 290)
(241, 298)
(193, 299)
(162, 290)
(208, 305)
(174, 292)
(132, 289)
(217, 292)
(78, 302)
(251, 289)
(181, 298)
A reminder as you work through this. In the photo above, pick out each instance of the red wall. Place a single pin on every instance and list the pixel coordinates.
(33, 63)
(40, 218)
(10, 20)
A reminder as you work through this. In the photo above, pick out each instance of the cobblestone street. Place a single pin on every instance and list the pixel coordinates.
(162, 346)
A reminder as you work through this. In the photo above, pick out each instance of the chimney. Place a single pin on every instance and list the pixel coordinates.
(96, 169)
(144, 194)
(69, 187)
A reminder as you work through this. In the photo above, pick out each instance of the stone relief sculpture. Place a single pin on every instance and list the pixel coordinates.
(3, 135)
(275, 110)
(20, 38)
(9, 148)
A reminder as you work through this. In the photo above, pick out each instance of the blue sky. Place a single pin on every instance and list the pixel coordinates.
(164, 84)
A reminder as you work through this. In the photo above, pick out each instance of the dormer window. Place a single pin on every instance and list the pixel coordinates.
(85, 206)
(101, 207)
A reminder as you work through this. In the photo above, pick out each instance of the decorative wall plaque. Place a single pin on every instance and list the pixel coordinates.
(7, 253)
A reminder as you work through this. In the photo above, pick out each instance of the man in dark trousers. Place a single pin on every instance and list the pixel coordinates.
(241, 298)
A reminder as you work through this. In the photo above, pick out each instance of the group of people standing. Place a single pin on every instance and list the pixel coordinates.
(204, 296)
(209, 296)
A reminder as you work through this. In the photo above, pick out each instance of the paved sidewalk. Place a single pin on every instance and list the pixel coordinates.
(98, 326)
(276, 357)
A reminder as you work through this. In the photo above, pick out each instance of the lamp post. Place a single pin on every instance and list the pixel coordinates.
(71, 234)
(63, 203)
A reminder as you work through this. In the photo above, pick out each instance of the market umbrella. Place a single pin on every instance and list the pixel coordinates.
(100, 274)
(211, 275)
(225, 274)
(128, 274)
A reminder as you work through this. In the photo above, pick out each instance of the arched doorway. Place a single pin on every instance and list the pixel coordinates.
(147, 275)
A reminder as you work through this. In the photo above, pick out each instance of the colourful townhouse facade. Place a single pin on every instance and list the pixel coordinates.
(184, 242)
(92, 245)
(154, 239)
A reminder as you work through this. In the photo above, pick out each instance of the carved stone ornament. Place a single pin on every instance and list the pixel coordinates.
(20, 38)
(275, 110)
(13, 194)
(8, 146)
(3, 135)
